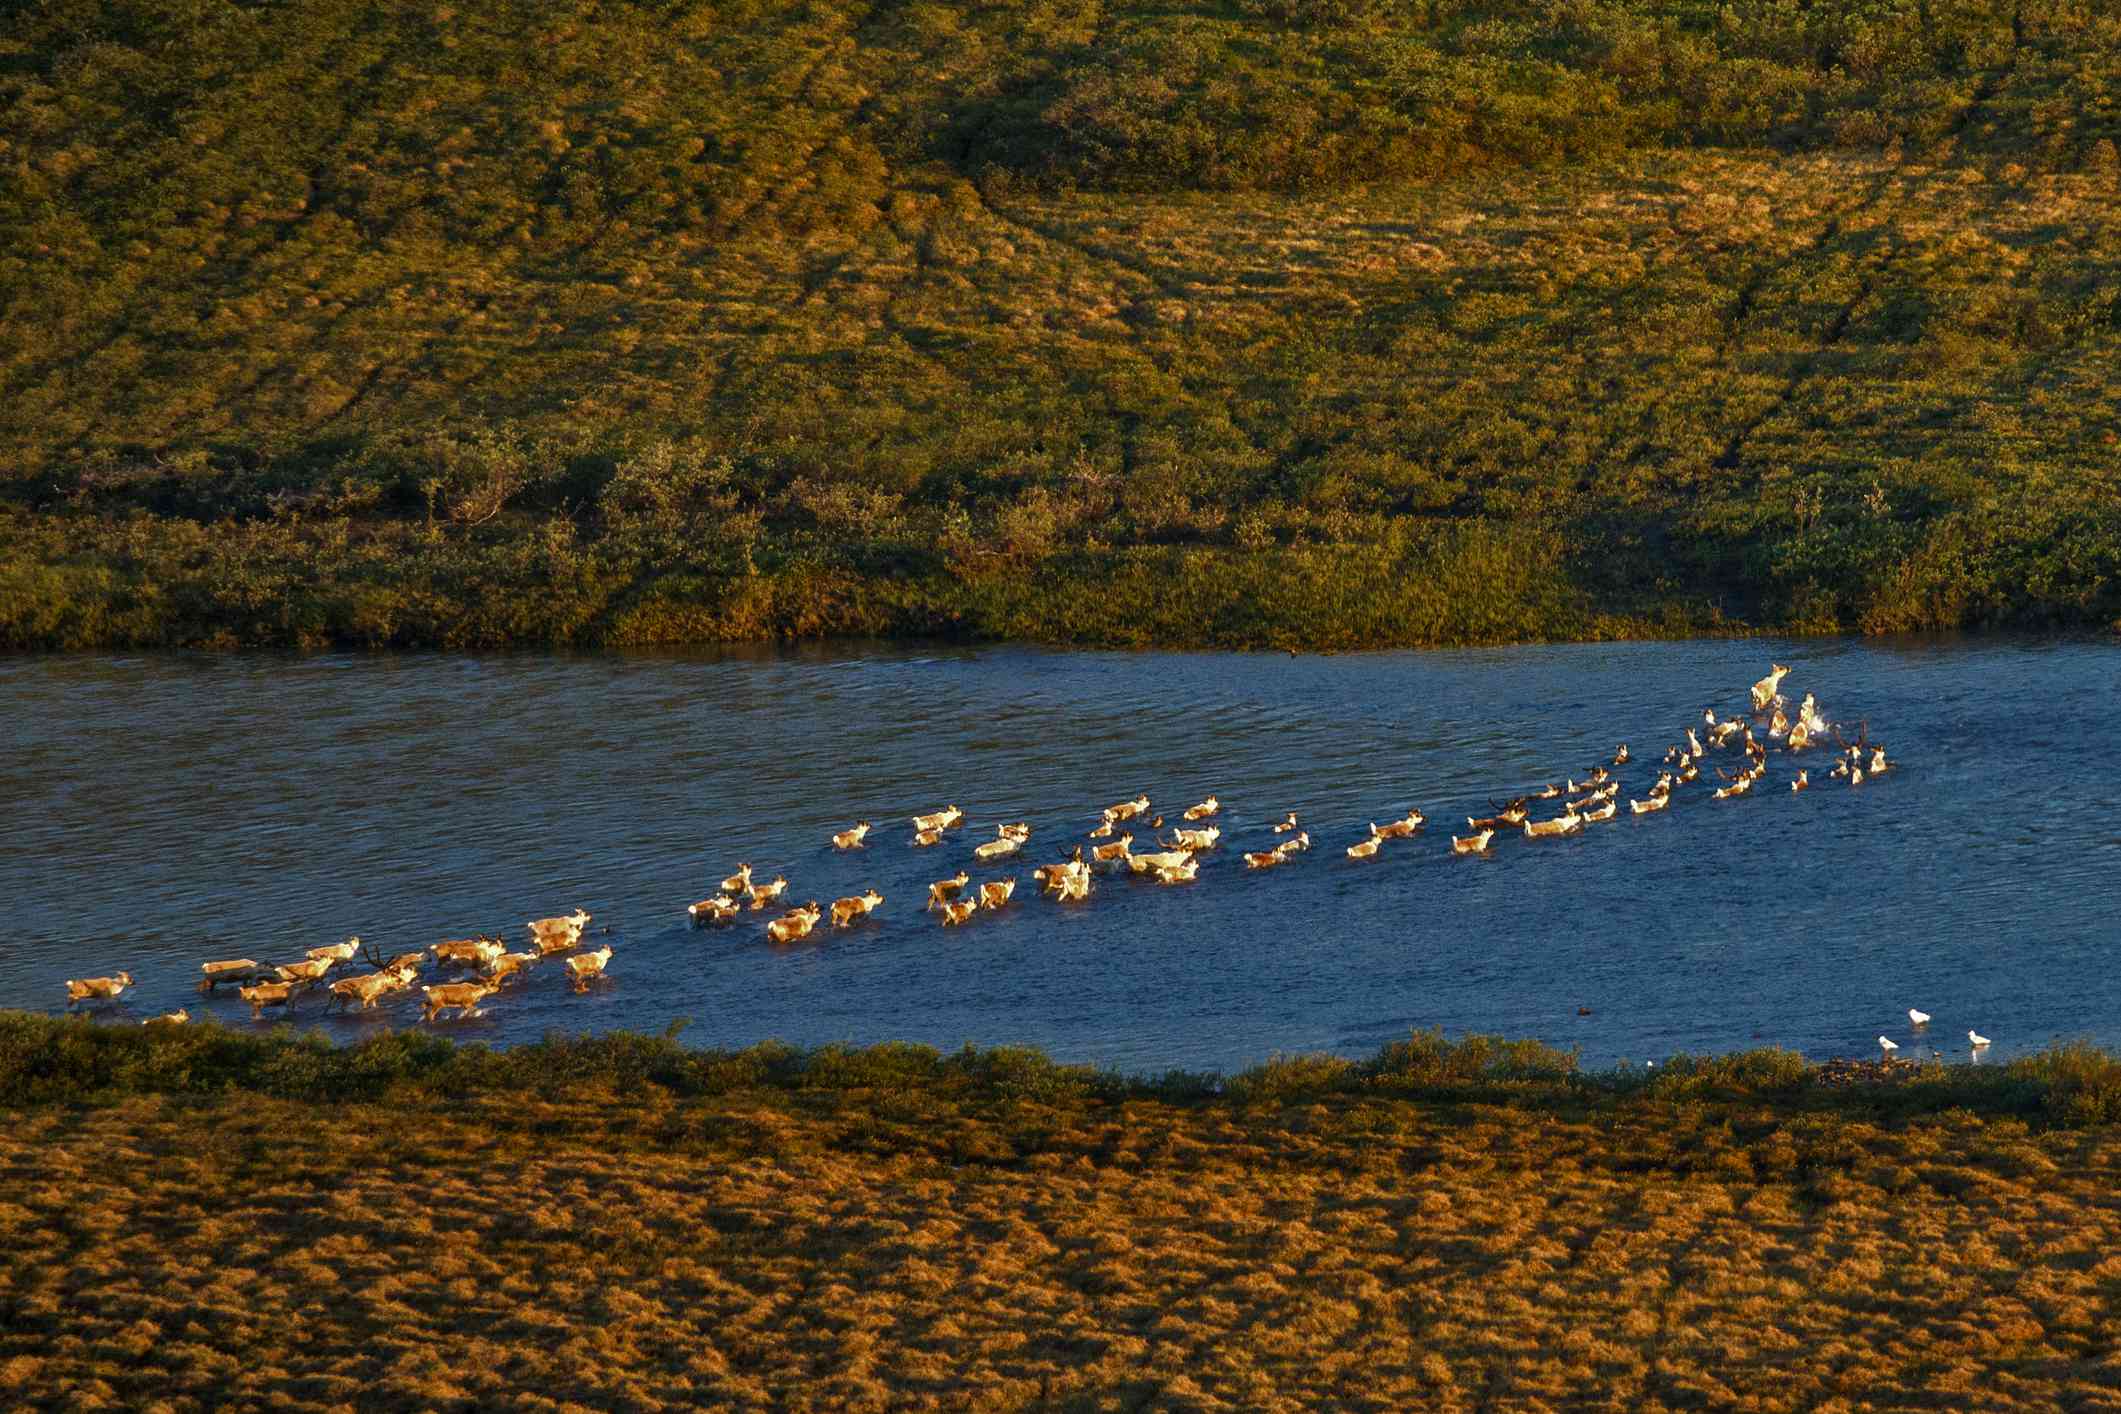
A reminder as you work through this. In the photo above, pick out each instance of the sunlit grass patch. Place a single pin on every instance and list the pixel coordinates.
(1021, 1233)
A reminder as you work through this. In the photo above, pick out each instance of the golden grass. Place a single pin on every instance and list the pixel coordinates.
(861, 1250)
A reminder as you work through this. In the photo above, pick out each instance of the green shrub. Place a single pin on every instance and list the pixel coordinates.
(46, 1060)
(2081, 1084)
(1281, 1078)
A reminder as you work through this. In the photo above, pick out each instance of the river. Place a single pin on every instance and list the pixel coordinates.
(163, 810)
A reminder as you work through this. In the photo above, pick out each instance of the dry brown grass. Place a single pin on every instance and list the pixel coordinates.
(861, 1251)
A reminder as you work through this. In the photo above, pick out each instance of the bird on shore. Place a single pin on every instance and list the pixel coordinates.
(1887, 1045)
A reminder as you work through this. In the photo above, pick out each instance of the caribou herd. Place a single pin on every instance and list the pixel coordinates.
(1748, 741)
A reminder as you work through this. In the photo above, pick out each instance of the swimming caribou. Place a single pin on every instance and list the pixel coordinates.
(846, 912)
(1765, 690)
(97, 989)
(794, 925)
(1472, 844)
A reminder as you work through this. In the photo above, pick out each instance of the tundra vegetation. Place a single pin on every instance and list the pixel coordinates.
(1444, 1225)
(1252, 322)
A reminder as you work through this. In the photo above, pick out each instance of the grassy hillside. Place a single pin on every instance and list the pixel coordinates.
(1355, 322)
(212, 1220)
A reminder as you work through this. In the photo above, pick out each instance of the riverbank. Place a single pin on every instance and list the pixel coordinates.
(1442, 1226)
(72, 1059)
(73, 584)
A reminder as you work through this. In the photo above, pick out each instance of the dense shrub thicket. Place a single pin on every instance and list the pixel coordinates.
(1347, 323)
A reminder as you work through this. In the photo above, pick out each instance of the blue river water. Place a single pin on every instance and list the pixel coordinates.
(159, 811)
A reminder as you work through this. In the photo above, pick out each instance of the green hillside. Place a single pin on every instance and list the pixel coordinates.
(1359, 322)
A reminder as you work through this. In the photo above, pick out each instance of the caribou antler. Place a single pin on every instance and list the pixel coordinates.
(380, 963)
